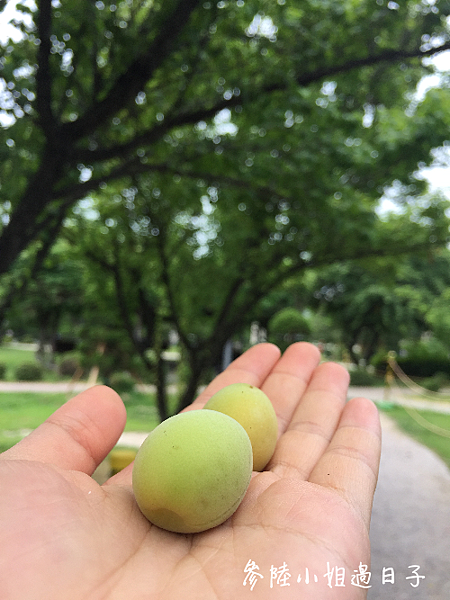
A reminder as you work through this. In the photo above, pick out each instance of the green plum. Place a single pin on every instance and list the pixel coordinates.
(253, 410)
(192, 471)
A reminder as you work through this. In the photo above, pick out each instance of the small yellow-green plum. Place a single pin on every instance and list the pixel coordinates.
(253, 410)
(192, 471)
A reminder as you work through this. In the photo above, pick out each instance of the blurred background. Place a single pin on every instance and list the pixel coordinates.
(180, 180)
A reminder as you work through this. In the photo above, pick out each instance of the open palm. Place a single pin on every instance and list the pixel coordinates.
(300, 532)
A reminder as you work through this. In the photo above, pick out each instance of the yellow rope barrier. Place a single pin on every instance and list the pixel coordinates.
(394, 369)
(412, 412)
(397, 370)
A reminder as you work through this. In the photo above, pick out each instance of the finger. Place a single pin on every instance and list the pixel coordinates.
(289, 378)
(251, 367)
(123, 477)
(78, 435)
(312, 424)
(350, 463)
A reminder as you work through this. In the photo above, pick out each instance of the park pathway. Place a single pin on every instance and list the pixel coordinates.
(410, 521)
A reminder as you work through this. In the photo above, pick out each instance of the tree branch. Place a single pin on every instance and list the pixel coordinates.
(43, 76)
(202, 114)
(18, 290)
(372, 60)
(153, 134)
(129, 83)
(25, 220)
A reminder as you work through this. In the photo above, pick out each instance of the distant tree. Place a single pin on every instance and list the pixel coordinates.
(207, 265)
(52, 304)
(378, 303)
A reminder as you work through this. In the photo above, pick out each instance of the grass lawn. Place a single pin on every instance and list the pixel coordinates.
(27, 410)
(438, 443)
(13, 357)
(24, 411)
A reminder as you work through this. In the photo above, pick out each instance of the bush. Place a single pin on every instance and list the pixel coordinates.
(29, 372)
(287, 326)
(425, 359)
(421, 359)
(68, 366)
(122, 383)
(436, 382)
(2, 371)
(362, 378)
(289, 321)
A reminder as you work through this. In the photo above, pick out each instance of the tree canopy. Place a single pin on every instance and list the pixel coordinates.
(302, 103)
(200, 153)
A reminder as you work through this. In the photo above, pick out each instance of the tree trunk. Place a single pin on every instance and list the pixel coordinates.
(161, 380)
(192, 386)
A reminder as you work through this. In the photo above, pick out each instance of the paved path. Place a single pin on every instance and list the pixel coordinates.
(404, 397)
(43, 387)
(60, 387)
(410, 520)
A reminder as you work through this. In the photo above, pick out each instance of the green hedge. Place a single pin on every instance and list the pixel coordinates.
(29, 372)
(362, 378)
(420, 359)
(122, 382)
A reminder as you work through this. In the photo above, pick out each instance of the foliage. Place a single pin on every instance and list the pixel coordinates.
(436, 382)
(122, 382)
(438, 317)
(259, 97)
(3, 369)
(376, 303)
(49, 304)
(13, 357)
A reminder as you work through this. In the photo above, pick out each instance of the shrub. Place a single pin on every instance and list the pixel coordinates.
(436, 382)
(122, 383)
(287, 326)
(419, 359)
(29, 372)
(362, 378)
(2, 371)
(287, 321)
(425, 359)
(68, 366)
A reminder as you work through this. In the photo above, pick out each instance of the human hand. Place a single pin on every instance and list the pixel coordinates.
(64, 537)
